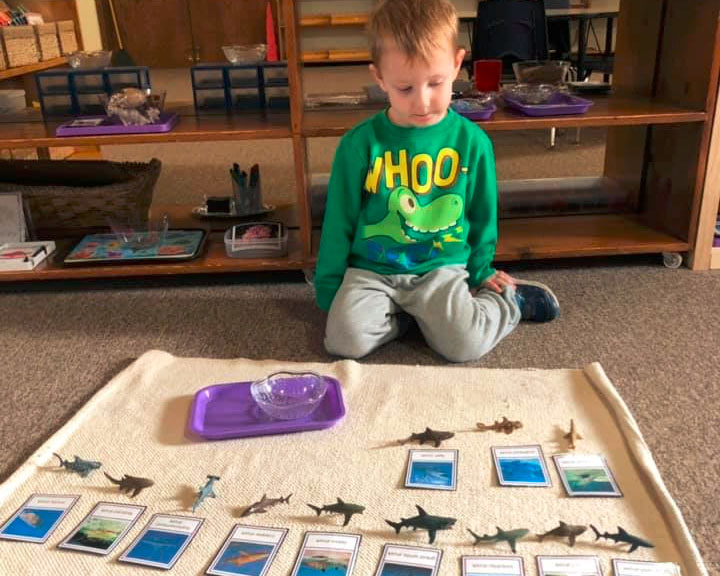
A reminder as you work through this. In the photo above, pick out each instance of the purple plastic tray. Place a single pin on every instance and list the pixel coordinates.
(473, 111)
(229, 411)
(558, 103)
(112, 125)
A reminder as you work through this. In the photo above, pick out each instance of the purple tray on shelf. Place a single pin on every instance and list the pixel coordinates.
(229, 411)
(559, 103)
(104, 125)
(473, 110)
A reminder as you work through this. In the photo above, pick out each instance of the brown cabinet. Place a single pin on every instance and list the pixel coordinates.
(180, 33)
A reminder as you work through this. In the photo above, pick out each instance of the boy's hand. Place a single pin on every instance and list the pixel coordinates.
(497, 282)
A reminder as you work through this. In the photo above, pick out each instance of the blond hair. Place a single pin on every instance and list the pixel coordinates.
(416, 27)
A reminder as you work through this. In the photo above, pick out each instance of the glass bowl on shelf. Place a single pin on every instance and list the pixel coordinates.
(289, 395)
(541, 71)
(530, 93)
(95, 59)
(245, 53)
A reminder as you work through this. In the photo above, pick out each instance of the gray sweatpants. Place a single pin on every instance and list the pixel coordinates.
(367, 312)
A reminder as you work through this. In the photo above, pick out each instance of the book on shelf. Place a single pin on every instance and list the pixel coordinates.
(24, 255)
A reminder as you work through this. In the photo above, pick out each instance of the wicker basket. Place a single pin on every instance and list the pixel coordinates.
(3, 62)
(47, 36)
(75, 197)
(66, 33)
(20, 45)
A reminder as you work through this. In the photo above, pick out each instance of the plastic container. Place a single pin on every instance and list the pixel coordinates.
(289, 395)
(250, 241)
(541, 71)
(245, 53)
(96, 59)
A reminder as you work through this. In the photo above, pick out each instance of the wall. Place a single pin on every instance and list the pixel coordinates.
(89, 27)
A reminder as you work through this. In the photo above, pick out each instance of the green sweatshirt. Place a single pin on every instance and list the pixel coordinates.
(405, 200)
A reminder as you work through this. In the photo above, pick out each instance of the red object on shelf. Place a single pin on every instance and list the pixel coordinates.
(487, 75)
(270, 40)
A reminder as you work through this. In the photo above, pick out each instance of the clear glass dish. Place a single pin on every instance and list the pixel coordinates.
(531, 93)
(289, 395)
(96, 59)
(245, 53)
(541, 71)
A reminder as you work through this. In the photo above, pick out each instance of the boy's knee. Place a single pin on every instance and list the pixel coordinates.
(346, 340)
(463, 351)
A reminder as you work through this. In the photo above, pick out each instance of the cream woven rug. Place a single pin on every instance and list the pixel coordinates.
(136, 425)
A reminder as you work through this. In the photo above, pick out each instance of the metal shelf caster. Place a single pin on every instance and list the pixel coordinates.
(672, 260)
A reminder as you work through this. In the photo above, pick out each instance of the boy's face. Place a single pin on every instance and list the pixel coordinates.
(419, 91)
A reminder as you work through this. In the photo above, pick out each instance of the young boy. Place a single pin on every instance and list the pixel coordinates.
(410, 224)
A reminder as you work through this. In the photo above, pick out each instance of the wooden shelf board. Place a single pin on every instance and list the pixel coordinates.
(213, 260)
(322, 20)
(181, 216)
(30, 68)
(28, 130)
(606, 111)
(715, 258)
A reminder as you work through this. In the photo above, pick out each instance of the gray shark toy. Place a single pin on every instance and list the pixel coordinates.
(80, 466)
(424, 521)
(509, 536)
(133, 484)
(261, 506)
(435, 436)
(206, 491)
(340, 507)
(624, 537)
(569, 531)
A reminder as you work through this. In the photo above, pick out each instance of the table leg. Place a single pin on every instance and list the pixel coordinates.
(582, 46)
(608, 44)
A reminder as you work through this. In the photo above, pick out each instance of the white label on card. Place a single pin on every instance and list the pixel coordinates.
(493, 566)
(408, 556)
(640, 568)
(433, 469)
(569, 566)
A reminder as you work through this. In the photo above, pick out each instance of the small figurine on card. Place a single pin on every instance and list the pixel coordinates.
(435, 436)
(205, 491)
(80, 466)
(569, 531)
(573, 436)
(340, 507)
(504, 425)
(133, 484)
(262, 505)
(624, 537)
(424, 521)
(509, 536)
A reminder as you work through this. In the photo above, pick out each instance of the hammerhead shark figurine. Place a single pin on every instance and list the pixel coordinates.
(206, 491)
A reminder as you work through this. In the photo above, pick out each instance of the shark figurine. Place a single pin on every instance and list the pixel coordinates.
(205, 491)
(573, 436)
(435, 436)
(504, 425)
(133, 484)
(624, 537)
(569, 531)
(424, 521)
(340, 507)
(80, 466)
(509, 536)
(262, 505)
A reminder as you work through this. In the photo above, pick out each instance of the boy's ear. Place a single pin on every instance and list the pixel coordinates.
(376, 76)
(459, 57)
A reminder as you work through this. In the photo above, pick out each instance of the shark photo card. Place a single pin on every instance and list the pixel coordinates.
(327, 552)
(493, 566)
(409, 561)
(248, 551)
(162, 541)
(37, 518)
(568, 566)
(521, 466)
(432, 469)
(644, 568)
(586, 475)
(103, 528)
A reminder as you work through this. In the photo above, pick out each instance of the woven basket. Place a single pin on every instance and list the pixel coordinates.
(65, 198)
(20, 45)
(3, 62)
(47, 36)
(66, 33)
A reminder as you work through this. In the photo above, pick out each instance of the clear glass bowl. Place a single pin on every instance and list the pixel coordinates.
(96, 59)
(289, 395)
(245, 53)
(531, 93)
(541, 71)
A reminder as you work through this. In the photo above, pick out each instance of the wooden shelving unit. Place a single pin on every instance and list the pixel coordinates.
(32, 68)
(659, 123)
